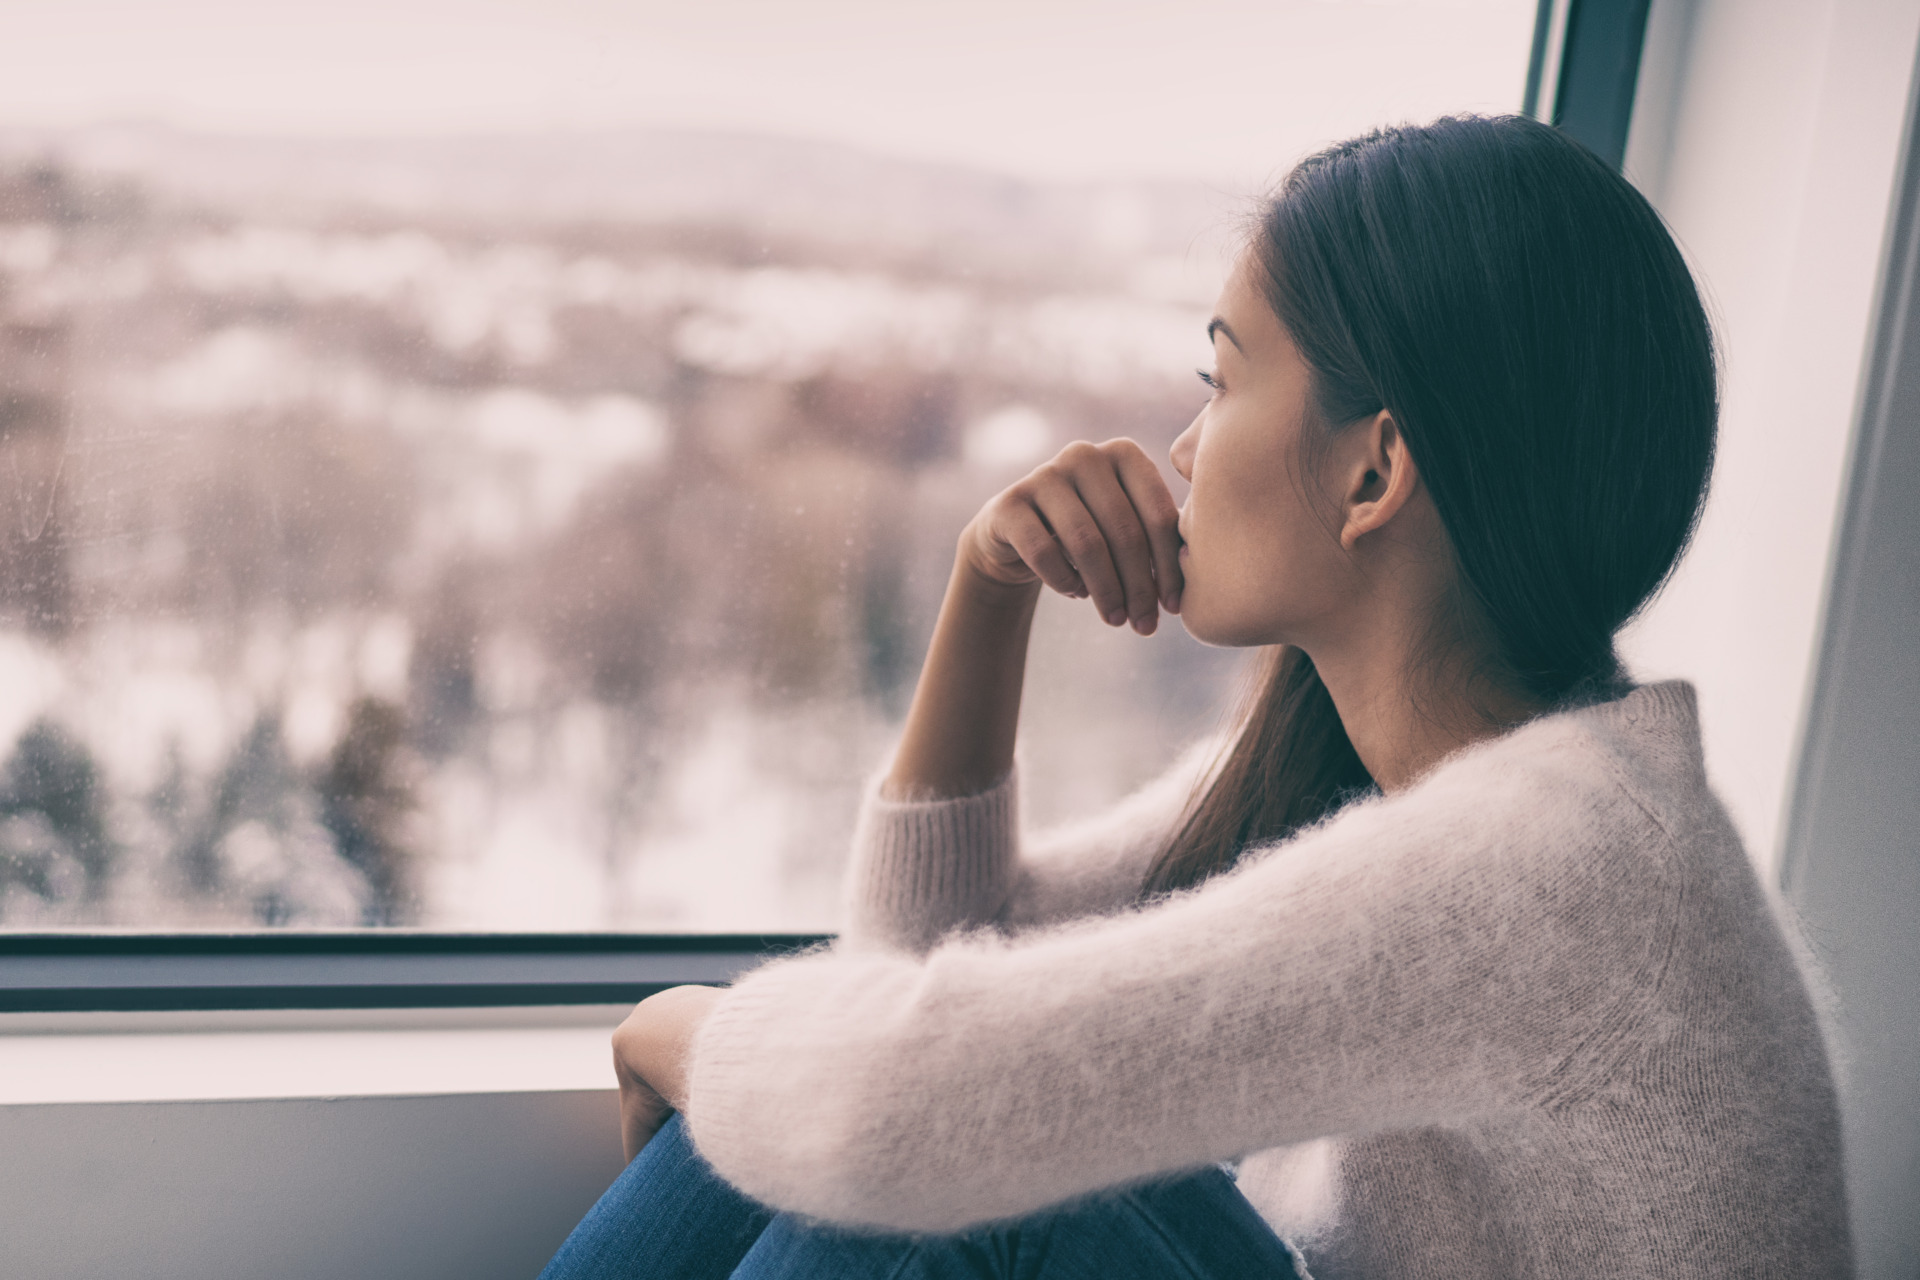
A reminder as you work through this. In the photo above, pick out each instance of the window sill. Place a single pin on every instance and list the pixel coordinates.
(54, 1058)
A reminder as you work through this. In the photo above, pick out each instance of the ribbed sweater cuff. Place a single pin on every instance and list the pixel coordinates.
(922, 868)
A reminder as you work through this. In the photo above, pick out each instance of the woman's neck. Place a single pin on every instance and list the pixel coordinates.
(1404, 715)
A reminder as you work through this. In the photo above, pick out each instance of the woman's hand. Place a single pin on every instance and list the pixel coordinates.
(650, 1052)
(1095, 521)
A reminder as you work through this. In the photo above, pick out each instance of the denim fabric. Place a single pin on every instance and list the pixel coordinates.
(666, 1217)
(670, 1216)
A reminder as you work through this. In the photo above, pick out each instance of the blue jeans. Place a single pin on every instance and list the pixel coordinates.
(670, 1217)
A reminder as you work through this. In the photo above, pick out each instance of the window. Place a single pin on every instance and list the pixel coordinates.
(494, 467)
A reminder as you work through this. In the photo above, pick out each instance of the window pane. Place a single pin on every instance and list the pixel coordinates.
(495, 465)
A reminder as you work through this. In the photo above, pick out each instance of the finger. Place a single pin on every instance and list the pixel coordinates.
(1126, 540)
(1159, 515)
(1059, 503)
(1028, 535)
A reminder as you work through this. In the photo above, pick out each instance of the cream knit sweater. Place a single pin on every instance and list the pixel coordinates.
(1530, 1017)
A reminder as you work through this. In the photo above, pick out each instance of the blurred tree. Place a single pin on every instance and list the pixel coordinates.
(366, 798)
(39, 193)
(261, 844)
(891, 658)
(605, 594)
(809, 556)
(296, 510)
(442, 682)
(250, 787)
(51, 808)
(35, 585)
(892, 415)
(167, 803)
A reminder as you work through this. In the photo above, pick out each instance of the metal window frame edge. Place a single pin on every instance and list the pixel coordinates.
(364, 969)
(1584, 68)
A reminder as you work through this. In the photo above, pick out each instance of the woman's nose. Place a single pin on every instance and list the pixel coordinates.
(1182, 452)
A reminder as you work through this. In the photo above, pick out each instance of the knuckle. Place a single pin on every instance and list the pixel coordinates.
(1052, 482)
(1086, 562)
(1080, 535)
(1017, 517)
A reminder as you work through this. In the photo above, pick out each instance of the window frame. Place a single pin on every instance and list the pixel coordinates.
(363, 968)
(1584, 69)
(1584, 60)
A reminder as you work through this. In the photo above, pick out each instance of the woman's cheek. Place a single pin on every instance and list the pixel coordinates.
(1206, 598)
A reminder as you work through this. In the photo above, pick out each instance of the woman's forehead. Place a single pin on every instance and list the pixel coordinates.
(1245, 313)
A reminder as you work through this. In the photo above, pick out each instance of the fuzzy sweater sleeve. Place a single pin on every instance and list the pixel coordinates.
(1482, 941)
(923, 869)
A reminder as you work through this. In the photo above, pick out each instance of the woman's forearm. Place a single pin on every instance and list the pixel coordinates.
(966, 710)
(1096, 522)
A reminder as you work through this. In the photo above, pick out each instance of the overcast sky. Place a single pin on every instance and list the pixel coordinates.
(1227, 91)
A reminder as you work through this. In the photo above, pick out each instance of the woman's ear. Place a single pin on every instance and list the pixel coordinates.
(1380, 478)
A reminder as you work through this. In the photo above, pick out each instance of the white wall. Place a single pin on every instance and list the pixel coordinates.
(458, 1187)
(407, 1144)
(1767, 132)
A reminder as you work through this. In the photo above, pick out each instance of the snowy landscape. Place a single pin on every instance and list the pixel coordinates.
(536, 533)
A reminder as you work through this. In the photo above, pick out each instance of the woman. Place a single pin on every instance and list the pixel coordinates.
(1452, 949)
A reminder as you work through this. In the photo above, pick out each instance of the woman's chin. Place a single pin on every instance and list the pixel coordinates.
(1209, 628)
(1195, 620)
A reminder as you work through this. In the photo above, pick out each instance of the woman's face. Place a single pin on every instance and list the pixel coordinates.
(1261, 556)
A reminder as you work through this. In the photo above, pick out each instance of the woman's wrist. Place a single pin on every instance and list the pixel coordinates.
(976, 587)
(995, 582)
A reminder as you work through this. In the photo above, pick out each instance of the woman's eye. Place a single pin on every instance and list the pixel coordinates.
(1213, 383)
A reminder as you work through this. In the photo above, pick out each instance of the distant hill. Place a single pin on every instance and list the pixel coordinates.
(782, 187)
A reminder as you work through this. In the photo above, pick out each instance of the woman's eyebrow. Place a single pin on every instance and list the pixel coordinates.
(1217, 325)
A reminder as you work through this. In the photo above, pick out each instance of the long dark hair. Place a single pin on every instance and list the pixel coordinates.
(1524, 315)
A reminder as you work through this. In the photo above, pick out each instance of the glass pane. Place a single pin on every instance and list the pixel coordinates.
(494, 465)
